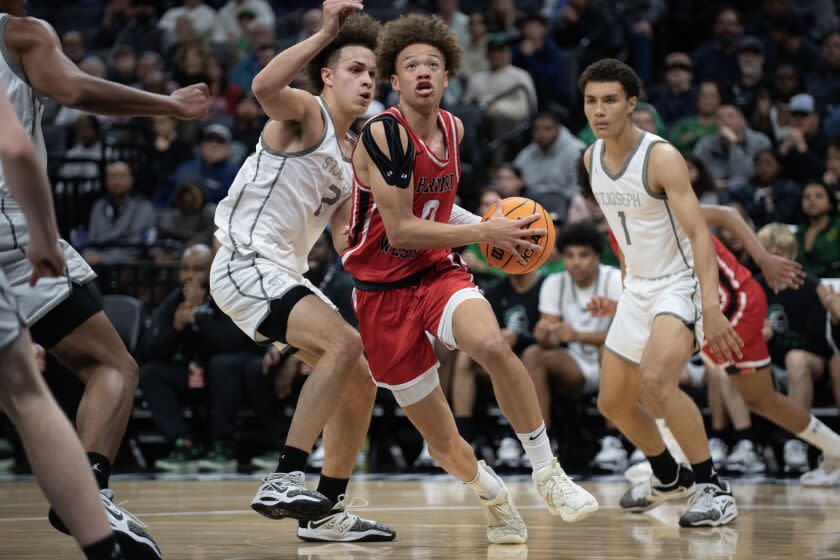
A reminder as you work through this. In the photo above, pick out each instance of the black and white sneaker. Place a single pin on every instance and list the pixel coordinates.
(284, 495)
(649, 493)
(710, 506)
(131, 534)
(744, 459)
(342, 526)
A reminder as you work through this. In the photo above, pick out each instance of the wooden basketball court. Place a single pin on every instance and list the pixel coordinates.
(437, 518)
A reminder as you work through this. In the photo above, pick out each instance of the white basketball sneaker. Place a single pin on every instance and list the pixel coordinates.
(562, 495)
(504, 524)
(826, 474)
(710, 506)
(612, 457)
(650, 492)
(284, 495)
(343, 526)
(509, 455)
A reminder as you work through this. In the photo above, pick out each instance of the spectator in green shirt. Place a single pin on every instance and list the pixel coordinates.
(819, 237)
(688, 131)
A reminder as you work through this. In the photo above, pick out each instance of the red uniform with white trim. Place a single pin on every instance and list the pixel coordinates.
(393, 322)
(743, 302)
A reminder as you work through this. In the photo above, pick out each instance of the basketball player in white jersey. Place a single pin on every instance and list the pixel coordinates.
(61, 312)
(670, 297)
(278, 206)
(43, 427)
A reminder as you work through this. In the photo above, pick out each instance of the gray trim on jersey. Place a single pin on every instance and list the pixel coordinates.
(677, 237)
(264, 202)
(324, 116)
(238, 200)
(630, 157)
(662, 195)
(15, 244)
(4, 51)
(621, 356)
(335, 133)
(592, 157)
(689, 324)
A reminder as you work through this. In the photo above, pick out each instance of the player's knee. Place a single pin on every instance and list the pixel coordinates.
(491, 350)
(129, 371)
(531, 357)
(443, 447)
(759, 404)
(611, 405)
(657, 385)
(796, 363)
(347, 344)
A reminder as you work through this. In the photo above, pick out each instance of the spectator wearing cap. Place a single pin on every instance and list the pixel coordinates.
(686, 132)
(639, 17)
(203, 19)
(487, 88)
(717, 59)
(475, 51)
(539, 55)
(677, 99)
(803, 147)
(729, 154)
(213, 165)
(790, 45)
(142, 32)
(229, 16)
(824, 82)
(752, 79)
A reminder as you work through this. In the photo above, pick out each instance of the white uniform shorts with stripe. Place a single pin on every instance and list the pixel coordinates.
(11, 322)
(642, 300)
(244, 287)
(36, 301)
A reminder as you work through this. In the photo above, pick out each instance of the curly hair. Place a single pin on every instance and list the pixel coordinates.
(611, 70)
(359, 29)
(416, 29)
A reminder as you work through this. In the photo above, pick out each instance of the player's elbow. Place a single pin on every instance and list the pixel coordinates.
(17, 147)
(69, 91)
(398, 236)
(259, 87)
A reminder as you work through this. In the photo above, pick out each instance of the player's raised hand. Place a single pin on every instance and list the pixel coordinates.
(511, 234)
(192, 102)
(601, 306)
(336, 12)
(46, 257)
(781, 272)
(721, 337)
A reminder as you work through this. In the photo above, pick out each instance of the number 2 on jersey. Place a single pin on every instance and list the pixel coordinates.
(623, 217)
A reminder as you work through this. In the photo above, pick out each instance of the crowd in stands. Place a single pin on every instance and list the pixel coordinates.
(749, 92)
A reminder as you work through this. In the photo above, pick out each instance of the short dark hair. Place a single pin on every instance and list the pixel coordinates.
(417, 29)
(611, 70)
(583, 234)
(547, 115)
(359, 29)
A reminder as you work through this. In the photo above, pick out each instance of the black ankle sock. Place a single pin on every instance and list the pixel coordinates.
(466, 427)
(664, 467)
(292, 459)
(332, 488)
(101, 467)
(705, 473)
(720, 434)
(746, 434)
(106, 549)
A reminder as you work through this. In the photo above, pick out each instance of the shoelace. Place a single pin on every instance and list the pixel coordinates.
(276, 479)
(345, 520)
(504, 513)
(643, 489)
(703, 498)
(108, 494)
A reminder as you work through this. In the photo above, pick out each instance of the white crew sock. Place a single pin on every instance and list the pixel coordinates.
(537, 447)
(485, 485)
(820, 436)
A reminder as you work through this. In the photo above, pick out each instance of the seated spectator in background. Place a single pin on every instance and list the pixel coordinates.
(515, 301)
(119, 223)
(804, 145)
(752, 79)
(123, 66)
(189, 221)
(569, 339)
(677, 99)
(548, 164)
(717, 60)
(818, 239)
(88, 146)
(191, 64)
(831, 177)
(770, 197)
(686, 132)
(487, 88)
(790, 44)
(310, 24)
(151, 75)
(67, 116)
(824, 82)
(795, 334)
(73, 45)
(457, 21)
(510, 182)
(223, 94)
(203, 19)
(644, 117)
(771, 115)
(474, 58)
(729, 154)
(539, 55)
(246, 69)
(639, 18)
(472, 253)
(247, 125)
(116, 16)
(230, 12)
(591, 26)
(501, 17)
(142, 32)
(701, 181)
(831, 302)
(168, 151)
(213, 164)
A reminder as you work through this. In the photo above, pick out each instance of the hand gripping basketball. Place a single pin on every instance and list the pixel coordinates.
(519, 235)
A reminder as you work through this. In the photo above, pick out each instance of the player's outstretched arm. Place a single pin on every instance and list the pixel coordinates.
(271, 86)
(52, 74)
(668, 172)
(386, 163)
(778, 271)
(29, 185)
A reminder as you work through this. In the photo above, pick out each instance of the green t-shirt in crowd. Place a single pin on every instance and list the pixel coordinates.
(688, 131)
(824, 259)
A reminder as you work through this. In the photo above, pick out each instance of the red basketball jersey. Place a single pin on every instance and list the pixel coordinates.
(370, 256)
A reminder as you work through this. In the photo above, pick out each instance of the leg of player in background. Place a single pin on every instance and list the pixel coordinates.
(53, 450)
(803, 368)
(463, 394)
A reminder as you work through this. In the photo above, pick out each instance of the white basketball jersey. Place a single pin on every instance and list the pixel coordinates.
(653, 243)
(27, 104)
(280, 203)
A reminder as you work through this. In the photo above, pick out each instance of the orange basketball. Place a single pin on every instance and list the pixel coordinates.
(516, 208)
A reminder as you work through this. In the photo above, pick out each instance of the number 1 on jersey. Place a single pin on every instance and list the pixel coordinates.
(623, 217)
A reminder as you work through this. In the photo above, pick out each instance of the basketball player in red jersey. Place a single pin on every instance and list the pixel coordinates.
(745, 305)
(408, 282)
